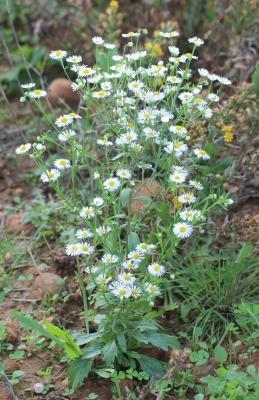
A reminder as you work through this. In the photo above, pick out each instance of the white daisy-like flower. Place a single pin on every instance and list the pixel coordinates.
(39, 146)
(102, 230)
(150, 133)
(177, 147)
(196, 184)
(109, 46)
(23, 148)
(169, 35)
(87, 212)
(101, 94)
(74, 115)
(177, 169)
(186, 97)
(86, 248)
(177, 178)
(85, 71)
(136, 147)
(178, 129)
(117, 57)
(126, 278)
(189, 215)
(130, 264)
(102, 279)
(73, 249)
(135, 256)
(121, 291)
(83, 233)
(111, 184)
(29, 85)
(224, 81)
(58, 54)
(174, 80)
(104, 142)
(50, 175)
(196, 41)
(94, 79)
(145, 248)
(98, 201)
(134, 292)
(106, 85)
(127, 138)
(66, 135)
(135, 86)
(213, 97)
(187, 198)
(203, 72)
(64, 120)
(156, 269)
(37, 93)
(200, 153)
(62, 163)
(123, 173)
(182, 230)
(98, 40)
(174, 50)
(74, 59)
(152, 289)
(110, 259)
(130, 34)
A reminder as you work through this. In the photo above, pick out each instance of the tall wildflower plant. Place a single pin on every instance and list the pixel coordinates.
(133, 132)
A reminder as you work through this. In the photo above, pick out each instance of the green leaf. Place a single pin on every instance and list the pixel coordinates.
(255, 80)
(199, 357)
(157, 339)
(78, 370)
(133, 241)
(30, 323)
(109, 352)
(220, 354)
(154, 368)
(92, 351)
(82, 338)
(105, 372)
(125, 195)
(122, 342)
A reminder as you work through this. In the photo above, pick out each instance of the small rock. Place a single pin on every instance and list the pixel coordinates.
(38, 388)
(8, 256)
(60, 90)
(10, 365)
(238, 345)
(14, 224)
(12, 332)
(45, 283)
(149, 188)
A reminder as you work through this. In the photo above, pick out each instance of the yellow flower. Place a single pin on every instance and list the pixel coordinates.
(227, 128)
(228, 137)
(154, 49)
(114, 5)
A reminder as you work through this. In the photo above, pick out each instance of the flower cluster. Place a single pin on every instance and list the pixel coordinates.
(144, 110)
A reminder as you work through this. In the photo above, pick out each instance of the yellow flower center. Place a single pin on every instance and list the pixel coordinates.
(58, 53)
(73, 247)
(50, 175)
(157, 268)
(63, 119)
(111, 183)
(101, 93)
(202, 152)
(62, 162)
(23, 147)
(37, 91)
(122, 292)
(182, 229)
